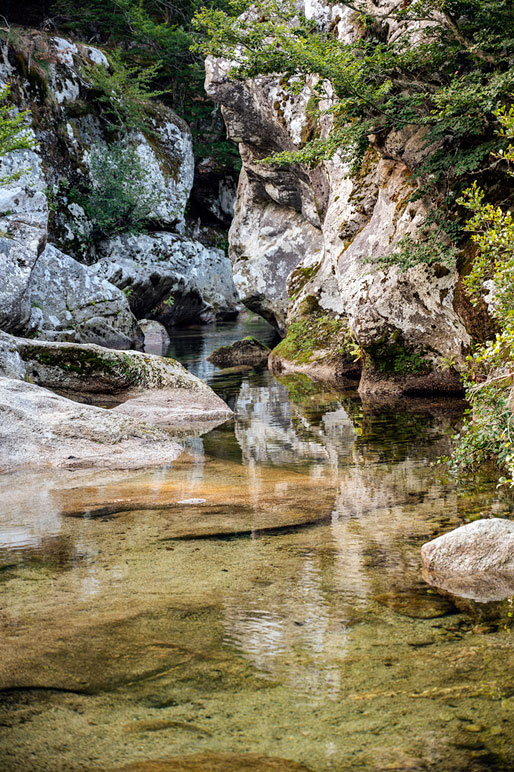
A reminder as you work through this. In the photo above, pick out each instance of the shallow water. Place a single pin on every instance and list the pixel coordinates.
(262, 595)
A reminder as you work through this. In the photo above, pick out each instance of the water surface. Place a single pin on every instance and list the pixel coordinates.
(261, 595)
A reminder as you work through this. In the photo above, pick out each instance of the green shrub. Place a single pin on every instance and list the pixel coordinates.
(13, 132)
(124, 91)
(118, 200)
(488, 434)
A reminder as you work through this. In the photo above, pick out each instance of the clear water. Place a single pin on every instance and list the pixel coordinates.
(257, 605)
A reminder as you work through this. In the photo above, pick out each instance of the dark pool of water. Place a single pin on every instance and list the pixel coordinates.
(261, 598)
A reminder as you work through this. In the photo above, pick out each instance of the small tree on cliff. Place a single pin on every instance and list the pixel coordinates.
(445, 72)
(13, 133)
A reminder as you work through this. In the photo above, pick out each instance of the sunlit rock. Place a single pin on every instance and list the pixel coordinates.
(41, 429)
(475, 561)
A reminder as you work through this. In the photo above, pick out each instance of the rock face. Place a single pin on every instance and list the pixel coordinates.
(247, 351)
(41, 429)
(310, 235)
(475, 561)
(169, 278)
(48, 245)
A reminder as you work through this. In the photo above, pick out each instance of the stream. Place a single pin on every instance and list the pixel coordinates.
(258, 604)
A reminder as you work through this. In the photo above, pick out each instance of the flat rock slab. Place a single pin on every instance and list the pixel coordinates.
(41, 429)
(216, 762)
(474, 561)
(175, 408)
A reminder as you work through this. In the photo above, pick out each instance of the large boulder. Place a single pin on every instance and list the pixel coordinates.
(70, 302)
(41, 429)
(93, 369)
(170, 278)
(475, 560)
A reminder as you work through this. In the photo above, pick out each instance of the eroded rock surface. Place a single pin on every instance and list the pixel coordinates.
(170, 278)
(302, 235)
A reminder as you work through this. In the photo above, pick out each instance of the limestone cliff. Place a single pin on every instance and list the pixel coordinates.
(303, 242)
(53, 284)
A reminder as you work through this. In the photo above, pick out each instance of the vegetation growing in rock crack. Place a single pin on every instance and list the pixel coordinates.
(13, 133)
(118, 200)
(445, 74)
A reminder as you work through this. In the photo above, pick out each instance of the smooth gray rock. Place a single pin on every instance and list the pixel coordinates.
(475, 560)
(40, 429)
(69, 301)
(156, 338)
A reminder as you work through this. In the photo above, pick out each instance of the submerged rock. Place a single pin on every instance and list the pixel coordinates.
(416, 603)
(247, 351)
(41, 429)
(216, 762)
(475, 561)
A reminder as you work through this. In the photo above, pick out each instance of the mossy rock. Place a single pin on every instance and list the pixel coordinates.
(316, 337)
(94, 369)
(248, 351)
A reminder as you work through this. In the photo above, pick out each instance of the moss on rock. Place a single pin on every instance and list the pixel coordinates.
(316, 337)
(393, 357)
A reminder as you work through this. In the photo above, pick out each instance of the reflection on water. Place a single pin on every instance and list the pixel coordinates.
(261, 595)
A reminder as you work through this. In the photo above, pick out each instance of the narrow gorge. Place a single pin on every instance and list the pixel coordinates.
(256, 403)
